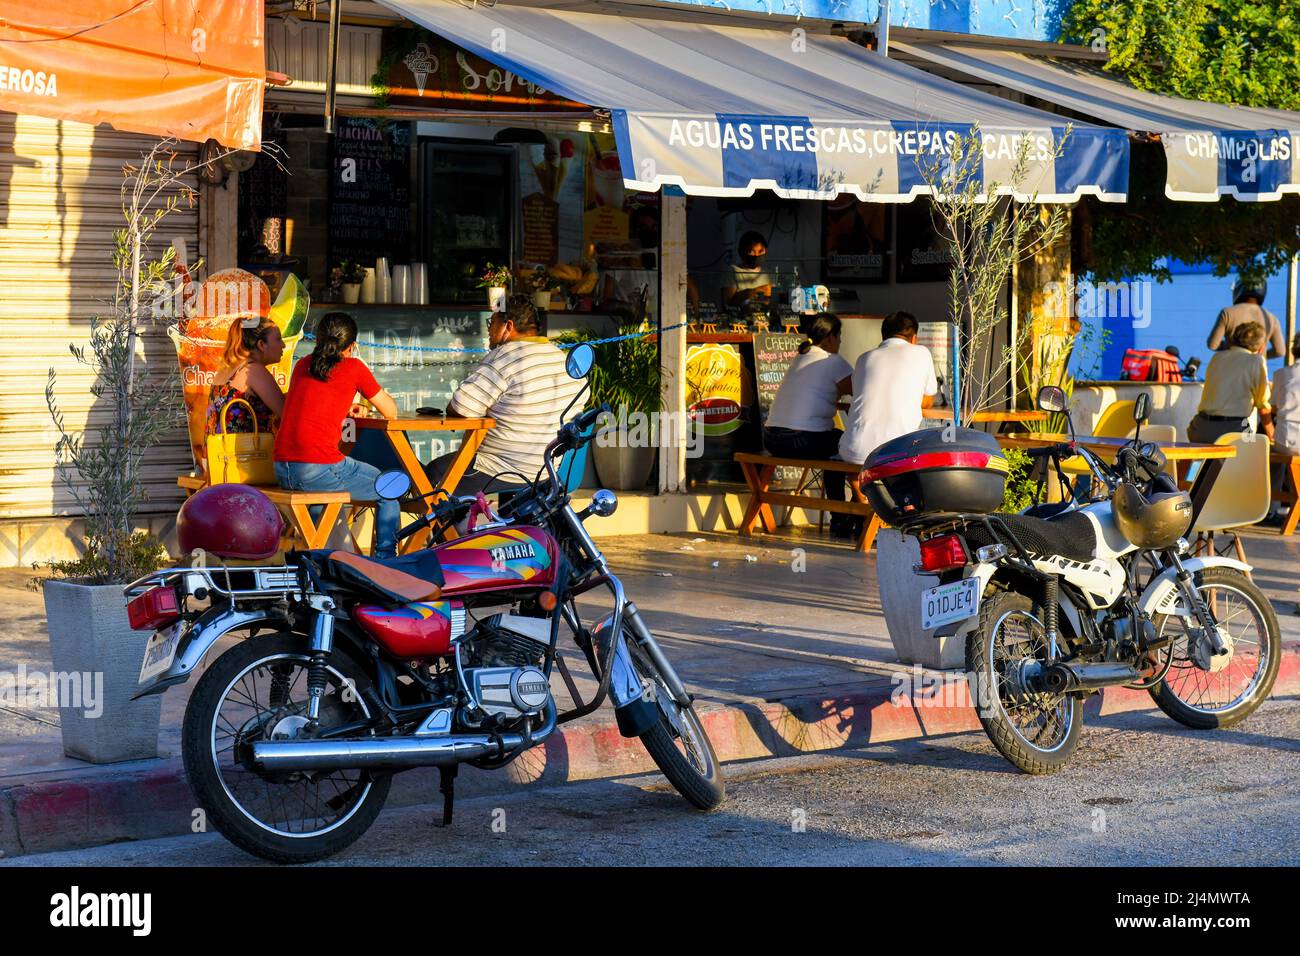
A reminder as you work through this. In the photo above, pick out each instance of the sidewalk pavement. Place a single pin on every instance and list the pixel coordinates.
(780, 638)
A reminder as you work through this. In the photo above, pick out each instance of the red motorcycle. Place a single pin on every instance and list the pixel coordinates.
(355, 668)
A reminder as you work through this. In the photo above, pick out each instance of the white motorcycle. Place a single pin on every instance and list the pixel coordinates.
(1063, 600)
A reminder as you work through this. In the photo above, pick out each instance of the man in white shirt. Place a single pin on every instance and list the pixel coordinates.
(892, 383)
(522, 383)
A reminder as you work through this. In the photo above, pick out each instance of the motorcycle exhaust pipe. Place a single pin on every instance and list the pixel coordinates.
(1061, 678)
(388, 753)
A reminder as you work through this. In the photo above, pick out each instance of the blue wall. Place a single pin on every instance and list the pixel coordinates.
(1181, 313)
(1023, 19)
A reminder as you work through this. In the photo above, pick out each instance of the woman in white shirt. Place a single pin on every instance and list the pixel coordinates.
(1286, 404)
(801, 423)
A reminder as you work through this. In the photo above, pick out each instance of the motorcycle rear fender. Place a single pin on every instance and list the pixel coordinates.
(198, 639)
(986, 572)
(1163, 596)
(635, 715)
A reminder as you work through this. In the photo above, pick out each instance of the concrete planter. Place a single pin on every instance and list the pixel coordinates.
(91, 639)
(622, 468)
(900, 598)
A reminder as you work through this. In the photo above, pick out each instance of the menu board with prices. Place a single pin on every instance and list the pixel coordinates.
(370, 191)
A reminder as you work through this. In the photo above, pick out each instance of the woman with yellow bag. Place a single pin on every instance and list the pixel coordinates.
(245, 398)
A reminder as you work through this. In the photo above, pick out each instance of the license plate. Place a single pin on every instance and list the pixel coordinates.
(159, 652)
(949, 602)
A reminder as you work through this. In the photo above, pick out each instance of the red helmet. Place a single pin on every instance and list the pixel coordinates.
(230, 521)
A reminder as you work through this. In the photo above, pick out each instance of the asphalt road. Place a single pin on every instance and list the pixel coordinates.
(1141, 790)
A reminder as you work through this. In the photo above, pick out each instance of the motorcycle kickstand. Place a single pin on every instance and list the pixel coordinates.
(447, 787)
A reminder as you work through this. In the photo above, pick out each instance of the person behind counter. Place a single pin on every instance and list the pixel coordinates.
(1236, 383)
(522, 384)
(252, 345)
(321, 390)
(748, 280)
(801, 423)
(1248, 306)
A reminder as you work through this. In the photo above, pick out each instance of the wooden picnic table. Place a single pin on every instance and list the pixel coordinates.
(1211, 456)
(395, 430)
(1021, 417)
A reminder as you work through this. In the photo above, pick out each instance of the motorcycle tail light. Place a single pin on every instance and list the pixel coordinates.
(944, 553)
(154, 609)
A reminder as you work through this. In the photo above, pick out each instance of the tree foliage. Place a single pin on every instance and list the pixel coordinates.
(1245, 52)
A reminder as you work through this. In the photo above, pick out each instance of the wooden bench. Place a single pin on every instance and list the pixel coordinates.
(295, 506)
(759, 471)
(1287, 491)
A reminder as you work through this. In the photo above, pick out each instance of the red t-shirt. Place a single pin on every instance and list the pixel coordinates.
(312, 424)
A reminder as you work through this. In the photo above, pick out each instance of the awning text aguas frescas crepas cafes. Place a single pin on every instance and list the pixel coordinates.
(724, 110)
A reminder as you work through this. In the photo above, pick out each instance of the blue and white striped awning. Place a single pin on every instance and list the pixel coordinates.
(724, 110)
(1212, 149)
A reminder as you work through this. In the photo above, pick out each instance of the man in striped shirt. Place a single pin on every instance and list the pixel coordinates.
(522, 384)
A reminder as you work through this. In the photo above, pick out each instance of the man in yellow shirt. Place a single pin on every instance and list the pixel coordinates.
(1236, 383)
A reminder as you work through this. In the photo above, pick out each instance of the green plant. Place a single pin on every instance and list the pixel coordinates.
(135, 556)
(1021, 490)
(101, 465)
(350, 272)
(625, 374)
(495, 277)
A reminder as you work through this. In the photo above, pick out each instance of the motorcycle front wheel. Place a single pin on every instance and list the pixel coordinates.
(257, 691)
(1208, 699)
(1036, 732)
(678, 742)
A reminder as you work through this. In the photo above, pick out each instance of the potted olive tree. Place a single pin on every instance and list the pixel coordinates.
(92, 645)
(625, 376)
(984, 238)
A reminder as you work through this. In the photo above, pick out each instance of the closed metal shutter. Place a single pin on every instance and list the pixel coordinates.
(60, 203)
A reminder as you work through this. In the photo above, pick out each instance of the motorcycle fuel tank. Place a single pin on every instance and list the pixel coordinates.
(498, 559)
(413, 631)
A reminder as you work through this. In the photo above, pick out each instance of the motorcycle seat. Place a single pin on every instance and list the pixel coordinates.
(1069, 534)
(400, 580)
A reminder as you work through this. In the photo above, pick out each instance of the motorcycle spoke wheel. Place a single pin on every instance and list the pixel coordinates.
(1041, 720)
(268, 700)
(1249, 626)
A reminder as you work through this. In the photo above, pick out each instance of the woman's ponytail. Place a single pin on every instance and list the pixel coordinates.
(821, 327)
(334, 335)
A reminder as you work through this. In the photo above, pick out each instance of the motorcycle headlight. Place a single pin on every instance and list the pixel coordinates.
(604, 503)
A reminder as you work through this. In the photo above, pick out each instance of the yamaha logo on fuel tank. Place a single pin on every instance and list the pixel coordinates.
(511, 552)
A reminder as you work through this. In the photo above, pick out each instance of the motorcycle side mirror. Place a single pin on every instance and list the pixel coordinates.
(391, 485)
(1142, 408)
(1052, 398)
(579, 361)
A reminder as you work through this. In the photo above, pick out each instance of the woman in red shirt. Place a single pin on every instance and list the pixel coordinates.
(321, 390)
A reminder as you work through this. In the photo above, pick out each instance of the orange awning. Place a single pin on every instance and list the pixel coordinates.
(192, 69)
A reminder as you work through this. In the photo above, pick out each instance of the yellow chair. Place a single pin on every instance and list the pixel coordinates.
(1116, 421)
(1241, 494)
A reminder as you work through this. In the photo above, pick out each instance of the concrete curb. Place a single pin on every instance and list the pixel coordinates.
(146, 800)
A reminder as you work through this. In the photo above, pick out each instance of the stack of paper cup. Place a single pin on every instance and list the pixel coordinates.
(383, 281)
(401, 284)
(419, 283)
(368, 286)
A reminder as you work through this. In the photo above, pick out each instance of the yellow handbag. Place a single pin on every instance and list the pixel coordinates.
(245, 457)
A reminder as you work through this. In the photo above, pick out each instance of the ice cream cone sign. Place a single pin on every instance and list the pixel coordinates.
(229, 296)
(421, 62)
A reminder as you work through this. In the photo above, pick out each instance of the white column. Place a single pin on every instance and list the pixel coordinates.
(1291, 269)
(672, 344)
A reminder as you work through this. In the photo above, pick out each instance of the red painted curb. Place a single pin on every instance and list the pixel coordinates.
(92, 808)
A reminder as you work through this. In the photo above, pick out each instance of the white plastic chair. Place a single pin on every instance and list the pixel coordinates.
(1241, 494)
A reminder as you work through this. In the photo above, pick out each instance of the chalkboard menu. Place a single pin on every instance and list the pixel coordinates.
(773, 353)
(370, 191)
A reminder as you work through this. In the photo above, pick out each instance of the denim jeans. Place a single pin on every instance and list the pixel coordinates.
(358, 480)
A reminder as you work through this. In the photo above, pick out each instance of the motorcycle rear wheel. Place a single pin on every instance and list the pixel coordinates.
(257, 811)
(1010, 631)
(680, 747)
